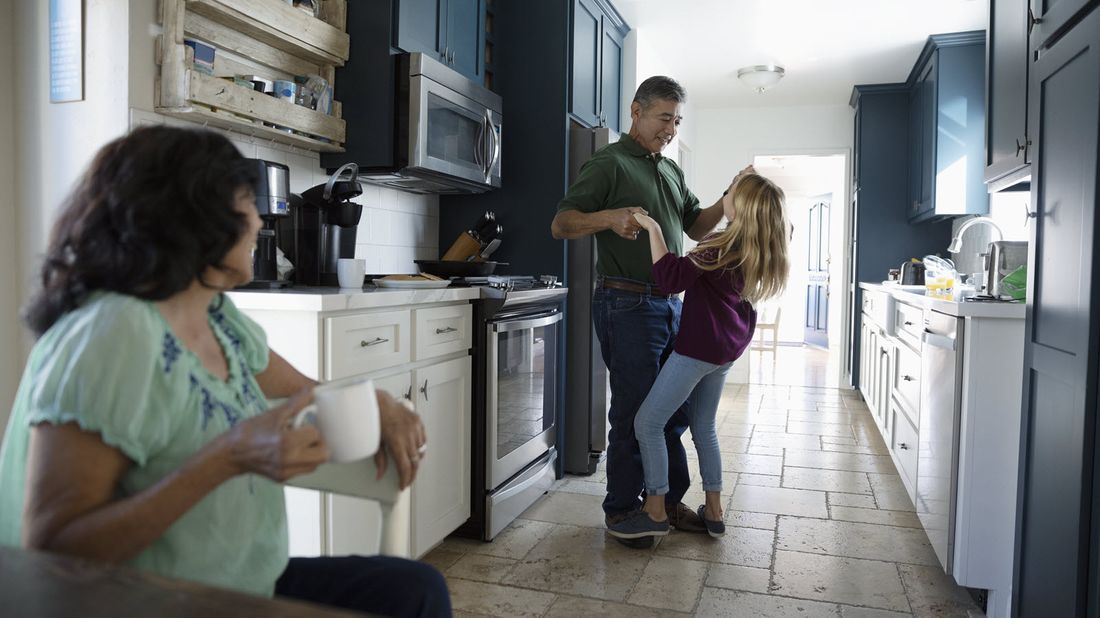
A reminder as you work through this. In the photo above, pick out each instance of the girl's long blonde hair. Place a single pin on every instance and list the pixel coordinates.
(755, 241)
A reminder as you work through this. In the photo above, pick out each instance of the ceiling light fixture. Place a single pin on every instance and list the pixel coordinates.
(760, 77)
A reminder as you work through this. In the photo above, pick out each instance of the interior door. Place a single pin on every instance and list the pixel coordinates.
(817, 274)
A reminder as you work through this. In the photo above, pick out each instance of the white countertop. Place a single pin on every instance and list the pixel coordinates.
(1002, 310)
(339, 299)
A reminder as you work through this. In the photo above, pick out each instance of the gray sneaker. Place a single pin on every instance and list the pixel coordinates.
(636, 525)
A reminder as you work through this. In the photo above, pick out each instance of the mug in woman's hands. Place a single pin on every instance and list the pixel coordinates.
(346, 413)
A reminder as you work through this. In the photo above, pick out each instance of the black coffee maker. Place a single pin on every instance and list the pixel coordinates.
(272, 204)
(324, 225)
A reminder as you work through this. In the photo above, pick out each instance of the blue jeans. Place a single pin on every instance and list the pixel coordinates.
(636, 332)
(699, 384)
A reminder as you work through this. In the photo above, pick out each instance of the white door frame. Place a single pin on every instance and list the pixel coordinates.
(837, 345)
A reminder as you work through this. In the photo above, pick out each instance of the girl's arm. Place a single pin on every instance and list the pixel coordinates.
(657, 246)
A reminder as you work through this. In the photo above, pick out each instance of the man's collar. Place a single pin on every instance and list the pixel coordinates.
(636, 149)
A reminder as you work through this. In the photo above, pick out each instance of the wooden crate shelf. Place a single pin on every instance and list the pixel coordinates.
(279, 25)
(265, 37)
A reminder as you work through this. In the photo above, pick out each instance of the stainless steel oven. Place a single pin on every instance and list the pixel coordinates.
(448, 132)
(518, 391)
(521, 366)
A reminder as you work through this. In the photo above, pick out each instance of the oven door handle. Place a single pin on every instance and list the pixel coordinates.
(511, 325)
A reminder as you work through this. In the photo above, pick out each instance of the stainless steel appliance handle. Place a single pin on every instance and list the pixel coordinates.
(479, 148)
(508, 326)
(495, 148)
(939, 341)
(487, 130)
(511, 491)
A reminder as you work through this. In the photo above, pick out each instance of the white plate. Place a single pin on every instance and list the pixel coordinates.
(411, 284)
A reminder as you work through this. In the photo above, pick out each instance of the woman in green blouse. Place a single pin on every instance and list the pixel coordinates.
(141, 432)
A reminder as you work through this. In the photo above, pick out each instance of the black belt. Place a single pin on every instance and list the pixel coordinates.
(644, 289)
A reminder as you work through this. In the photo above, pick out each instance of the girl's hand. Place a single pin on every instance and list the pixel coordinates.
(265, 444)
(647, 222)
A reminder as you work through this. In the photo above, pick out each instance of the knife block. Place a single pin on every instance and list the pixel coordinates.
(464, 247)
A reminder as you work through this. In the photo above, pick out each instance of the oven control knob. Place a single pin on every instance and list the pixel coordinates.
(548, 280)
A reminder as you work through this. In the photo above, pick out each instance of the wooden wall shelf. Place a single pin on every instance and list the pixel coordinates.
(262, 37)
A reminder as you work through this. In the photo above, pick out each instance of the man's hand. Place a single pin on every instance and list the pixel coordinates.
(402, 435)
(622, 221)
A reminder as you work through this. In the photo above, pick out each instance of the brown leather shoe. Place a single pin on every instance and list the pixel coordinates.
(684, 519)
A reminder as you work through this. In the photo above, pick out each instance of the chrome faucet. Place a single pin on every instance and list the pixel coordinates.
(956, 242)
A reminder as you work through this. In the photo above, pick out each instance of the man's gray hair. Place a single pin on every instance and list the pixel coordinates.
(659, 88)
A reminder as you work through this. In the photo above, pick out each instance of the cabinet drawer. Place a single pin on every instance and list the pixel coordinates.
(878, 306)
(442, 330)
(366, 342)
(904, 447)
(906, 381)
(909, 324)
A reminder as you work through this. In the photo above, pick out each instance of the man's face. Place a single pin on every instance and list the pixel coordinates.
(655, 126)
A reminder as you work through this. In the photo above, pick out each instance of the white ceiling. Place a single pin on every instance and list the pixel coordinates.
(826, 46)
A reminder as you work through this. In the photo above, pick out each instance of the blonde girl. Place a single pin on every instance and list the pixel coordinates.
(724, 276)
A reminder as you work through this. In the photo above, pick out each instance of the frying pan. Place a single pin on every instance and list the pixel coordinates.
(451, 268)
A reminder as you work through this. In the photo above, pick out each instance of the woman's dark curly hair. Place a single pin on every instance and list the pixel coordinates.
(153, 211)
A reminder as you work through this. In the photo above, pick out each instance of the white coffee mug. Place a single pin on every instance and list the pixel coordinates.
(350, 272)
(346, 413)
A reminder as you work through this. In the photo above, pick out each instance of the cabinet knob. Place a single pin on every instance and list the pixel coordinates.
(907, 378)
(907, 323)
(903, 446)
(409, 393)
(377, 340)
(1022, 147)
(1032, 20)
(424, 390)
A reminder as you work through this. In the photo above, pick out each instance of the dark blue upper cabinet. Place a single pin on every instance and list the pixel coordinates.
(452, 30)
(1048, 19)
(466, 36)
(611, 78)
(586, 61)
(1007, 153)
(596, 64)
(947, 132)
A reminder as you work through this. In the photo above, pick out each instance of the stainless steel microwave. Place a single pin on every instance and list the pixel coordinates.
(448, 132)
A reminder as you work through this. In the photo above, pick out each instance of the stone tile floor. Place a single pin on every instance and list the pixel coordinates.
(818, 524)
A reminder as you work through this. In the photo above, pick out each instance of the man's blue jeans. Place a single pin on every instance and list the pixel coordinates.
(636, 333)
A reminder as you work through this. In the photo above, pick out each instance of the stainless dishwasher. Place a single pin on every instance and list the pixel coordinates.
(938, 443)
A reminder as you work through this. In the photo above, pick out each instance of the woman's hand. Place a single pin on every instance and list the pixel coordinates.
(402, 435)
(648, 223)
(266, 444)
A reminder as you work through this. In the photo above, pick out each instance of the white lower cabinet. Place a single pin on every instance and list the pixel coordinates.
(441, 494)
(420, 352)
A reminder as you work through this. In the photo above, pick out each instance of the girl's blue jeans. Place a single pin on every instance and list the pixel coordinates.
(696, 385)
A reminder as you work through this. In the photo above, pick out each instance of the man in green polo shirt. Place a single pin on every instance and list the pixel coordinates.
(635, 324)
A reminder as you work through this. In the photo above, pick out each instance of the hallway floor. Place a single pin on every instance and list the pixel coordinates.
(818, 524)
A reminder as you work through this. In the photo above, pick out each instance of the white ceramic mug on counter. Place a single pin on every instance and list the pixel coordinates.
(350, 272)
(347, 415)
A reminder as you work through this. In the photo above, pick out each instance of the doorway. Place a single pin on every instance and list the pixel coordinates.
(815, 185)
